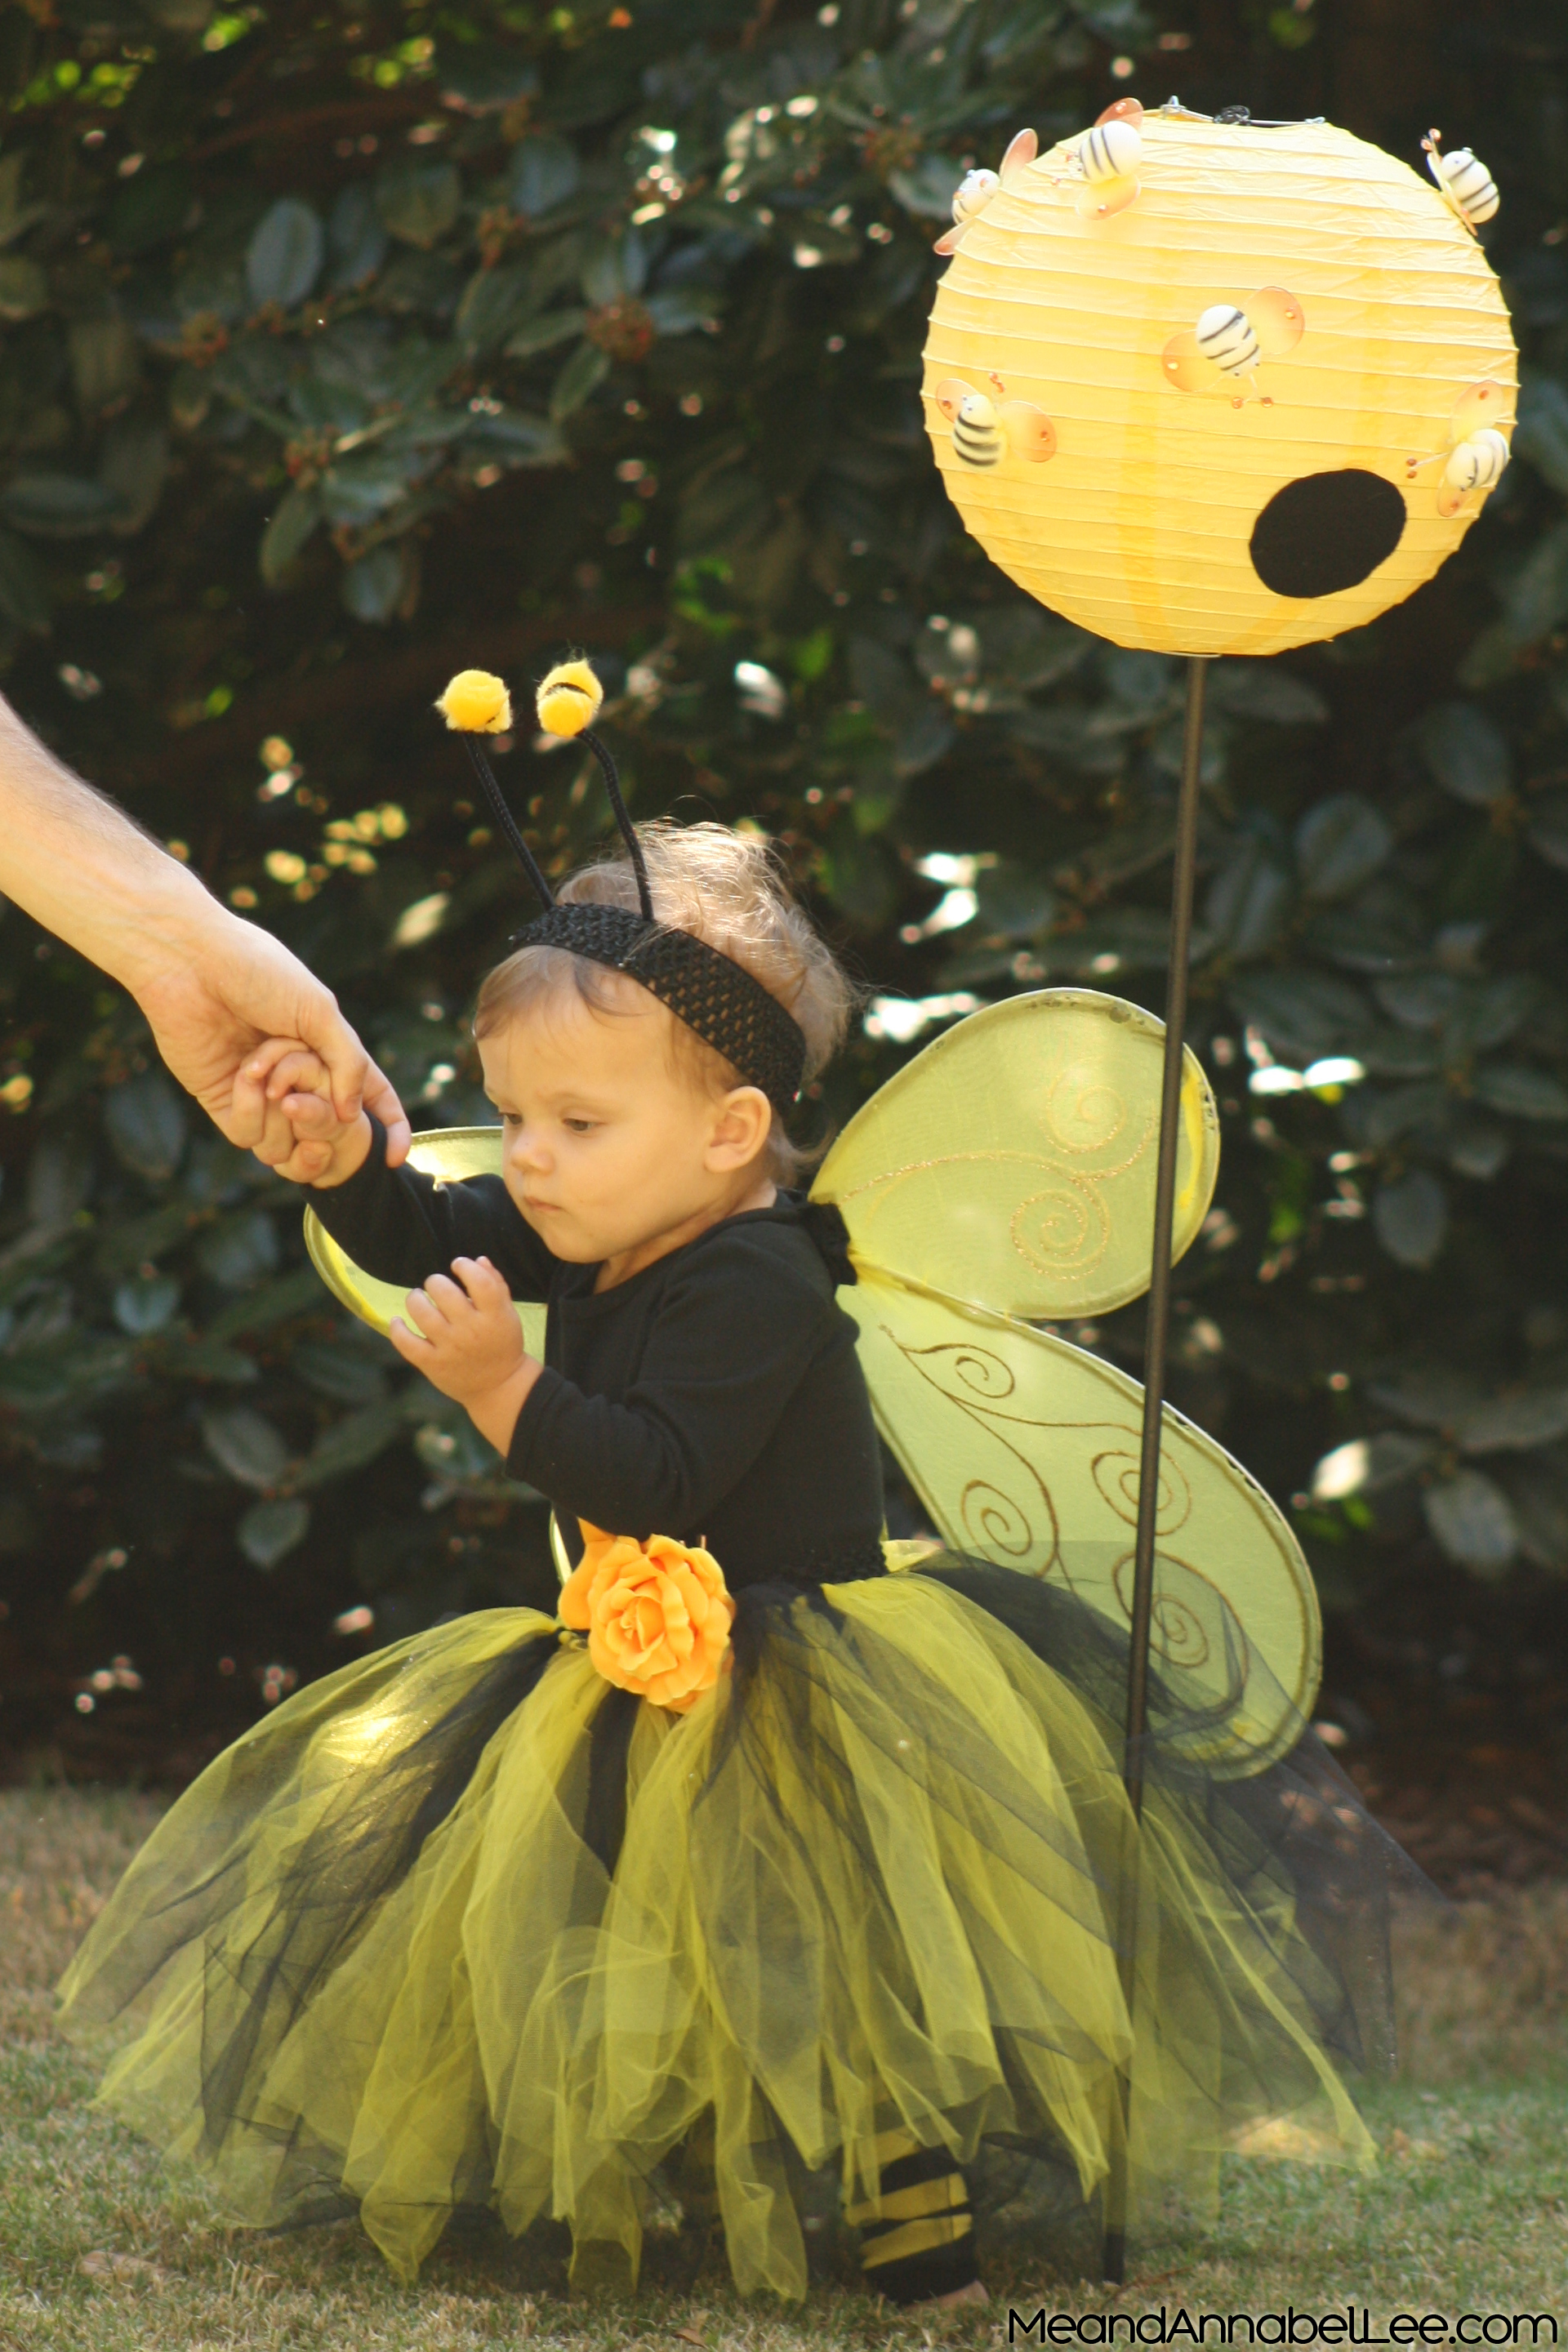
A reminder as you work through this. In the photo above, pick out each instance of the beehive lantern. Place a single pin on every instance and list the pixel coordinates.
(1217, 386)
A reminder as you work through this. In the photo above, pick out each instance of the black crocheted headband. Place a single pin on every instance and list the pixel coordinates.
(725, 1004)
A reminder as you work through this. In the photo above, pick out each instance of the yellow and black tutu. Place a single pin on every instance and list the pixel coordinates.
(466, 1926)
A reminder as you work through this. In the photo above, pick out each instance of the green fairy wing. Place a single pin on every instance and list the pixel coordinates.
(1024, 1451)
(1013, 1161)
(451, 1153)
(1006, 1177)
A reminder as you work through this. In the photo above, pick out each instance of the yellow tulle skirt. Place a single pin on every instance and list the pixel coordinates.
(464, 1926)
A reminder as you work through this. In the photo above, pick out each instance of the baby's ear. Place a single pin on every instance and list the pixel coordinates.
(741, 1132)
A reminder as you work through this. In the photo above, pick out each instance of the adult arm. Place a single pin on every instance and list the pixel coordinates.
(212, 988)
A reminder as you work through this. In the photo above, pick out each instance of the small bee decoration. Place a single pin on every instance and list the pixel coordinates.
(976, 189)
(984, 430)
(1108, 158)
(1477, 450)
(1466, 185)
(1228, 341)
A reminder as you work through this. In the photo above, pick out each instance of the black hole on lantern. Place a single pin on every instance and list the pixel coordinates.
(1326, 532)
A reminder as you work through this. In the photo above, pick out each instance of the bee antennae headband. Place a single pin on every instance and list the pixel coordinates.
(725, 1004)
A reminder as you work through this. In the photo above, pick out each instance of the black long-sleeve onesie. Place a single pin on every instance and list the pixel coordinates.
(715, 1397)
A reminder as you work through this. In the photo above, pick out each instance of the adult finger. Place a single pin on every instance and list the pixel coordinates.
(323, 1028)
(380, 1101)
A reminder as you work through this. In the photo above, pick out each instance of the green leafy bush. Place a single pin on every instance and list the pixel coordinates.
(344, 349)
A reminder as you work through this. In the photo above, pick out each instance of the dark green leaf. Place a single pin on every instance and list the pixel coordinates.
(144, 1307)
(1528, 1094)
(372, 586)
(24, 598)
(288, 527)
(1513, 1423)
(1466, 753)
(1303, 1013)
(133, 465)
(419, 202)
(1261, 689)
(245, 1444)
(359, 1437)
(342, 1369)
(58, 506)
(493, 302)
(1548, 831)
(145, 1117)
(582, 373)
(1340, 844)
(1411, 1218)
(284, 258)
(24, 288)
(241, 1250)
(269, 1531)
(543, 334)
(544, 173)
(356, 241)
(1542, 434)
(1473, 1522)
(927, 189)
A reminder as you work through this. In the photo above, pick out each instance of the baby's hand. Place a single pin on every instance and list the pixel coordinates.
(468, 1342)
(285, 1082)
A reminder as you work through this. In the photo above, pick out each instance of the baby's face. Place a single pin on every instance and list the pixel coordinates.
(609, 1144)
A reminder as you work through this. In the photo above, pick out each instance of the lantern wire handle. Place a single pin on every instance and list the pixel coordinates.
(1113, 2263)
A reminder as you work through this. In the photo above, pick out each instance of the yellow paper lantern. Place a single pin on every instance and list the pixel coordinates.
(1214, 387)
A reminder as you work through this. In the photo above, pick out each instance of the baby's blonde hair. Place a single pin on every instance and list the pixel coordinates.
(730, 889)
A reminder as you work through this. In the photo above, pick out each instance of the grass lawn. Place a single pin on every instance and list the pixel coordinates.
(98, 2251)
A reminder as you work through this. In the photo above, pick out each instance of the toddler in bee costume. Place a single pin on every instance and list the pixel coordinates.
(766, 1861)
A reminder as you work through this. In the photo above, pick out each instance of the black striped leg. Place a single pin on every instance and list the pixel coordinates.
(696, 2182)
(917, 2234)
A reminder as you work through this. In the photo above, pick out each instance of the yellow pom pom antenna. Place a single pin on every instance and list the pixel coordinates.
(477, 703)
(569, 698)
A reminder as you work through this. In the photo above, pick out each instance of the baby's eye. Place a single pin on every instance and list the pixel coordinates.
(512, 1118)
(580, 1126)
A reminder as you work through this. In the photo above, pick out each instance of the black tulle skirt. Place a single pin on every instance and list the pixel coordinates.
(466, 1926)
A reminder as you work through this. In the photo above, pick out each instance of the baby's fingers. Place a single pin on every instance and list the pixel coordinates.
(299, 1072)
(309, 1115)
(247, 1111)
(410, 1346)
(482, 1283)
(424, 1317)
(260, 1066)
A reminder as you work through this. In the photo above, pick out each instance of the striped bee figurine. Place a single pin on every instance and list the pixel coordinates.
(1111, 151)
(1464, 180)
(975, 190)
(984, 431)
(1226, 337)
(1474, 465)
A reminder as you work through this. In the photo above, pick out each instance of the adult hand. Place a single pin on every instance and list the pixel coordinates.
(219, 995)
(213, 988)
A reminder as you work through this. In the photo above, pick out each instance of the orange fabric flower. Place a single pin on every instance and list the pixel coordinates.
(657, 1615)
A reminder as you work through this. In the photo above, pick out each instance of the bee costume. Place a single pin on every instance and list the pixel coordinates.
(833, 1932)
